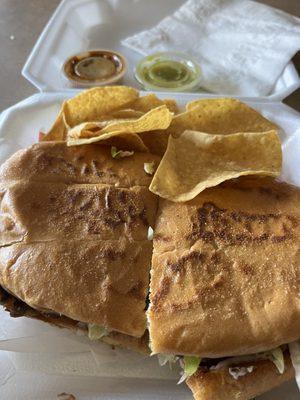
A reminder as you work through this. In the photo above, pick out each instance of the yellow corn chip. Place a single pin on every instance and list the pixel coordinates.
(93, 128)
(90, 129)
(90, 105)
(172, 105)
(156, 141)
(195, 161)
(58, 131)
(150, 101)
(158, 118)
(122, 140)
(220, 116)
(91, 132)
(126, 113)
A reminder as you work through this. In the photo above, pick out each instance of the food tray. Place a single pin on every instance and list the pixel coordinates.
(42, 361)
(79, 25)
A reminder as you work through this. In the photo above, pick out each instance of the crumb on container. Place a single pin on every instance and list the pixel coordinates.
(65, 396)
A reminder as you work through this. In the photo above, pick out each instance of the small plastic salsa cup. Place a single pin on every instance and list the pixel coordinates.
(168, 71)
(95, 67)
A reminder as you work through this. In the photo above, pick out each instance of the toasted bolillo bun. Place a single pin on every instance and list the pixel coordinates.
(220, 385)
(73, 233)
(225, 271)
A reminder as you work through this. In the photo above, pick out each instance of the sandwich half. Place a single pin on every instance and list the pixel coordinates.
(74, 235)
(225, 284)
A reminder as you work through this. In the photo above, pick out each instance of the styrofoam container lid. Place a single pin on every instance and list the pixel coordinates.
(80, 25)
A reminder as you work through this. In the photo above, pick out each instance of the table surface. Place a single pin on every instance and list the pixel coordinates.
(22, 21)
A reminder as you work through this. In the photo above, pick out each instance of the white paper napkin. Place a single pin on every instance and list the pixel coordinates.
(242, 46)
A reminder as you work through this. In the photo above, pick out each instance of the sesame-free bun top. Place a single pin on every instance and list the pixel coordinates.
(73, 232)
(226, 270)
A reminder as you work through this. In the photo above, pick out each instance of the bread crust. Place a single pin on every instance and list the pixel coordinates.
(17, 308)
(73, 231)
(91, 282)
(226, 271)
(91, 163)
(220, 385)
(43, 211)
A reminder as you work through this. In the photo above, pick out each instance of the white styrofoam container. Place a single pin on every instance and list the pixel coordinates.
(79, 25)
(42, 361)
(125, 376)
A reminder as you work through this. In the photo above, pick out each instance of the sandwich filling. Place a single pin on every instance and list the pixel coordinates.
(235, 365)
(18, 308)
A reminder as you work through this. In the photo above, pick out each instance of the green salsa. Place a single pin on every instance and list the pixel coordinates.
(168, 71)
(162, 72)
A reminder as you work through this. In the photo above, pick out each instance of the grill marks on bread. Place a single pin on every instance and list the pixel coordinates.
(212, 223)
(79, 219)
(88, 164)
(221, 227)
(225, 270)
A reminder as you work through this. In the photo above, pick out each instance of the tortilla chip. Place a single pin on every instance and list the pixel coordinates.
(122, 140)
(219, 116)
(125, 114)
(87, 130)
(158, 118)
(93, 103)
(172, 105)
(155, 141)
(195, 161)
(58, 131)
(91, 129)
(127, 129)
(150, 101)
(90, 105)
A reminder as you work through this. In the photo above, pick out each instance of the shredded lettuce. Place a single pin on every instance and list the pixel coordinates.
(294, 349)
(120, 153)
(276, 356)
(149, 168)
(163, 359)
(191, 365)
(150, 233)
(96, 332)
